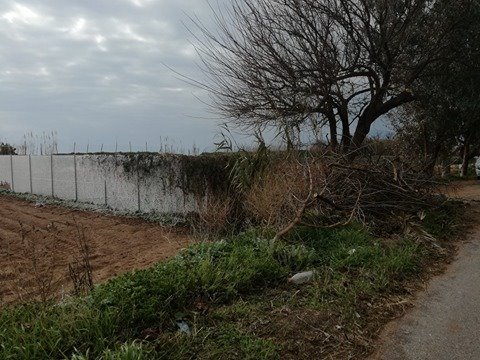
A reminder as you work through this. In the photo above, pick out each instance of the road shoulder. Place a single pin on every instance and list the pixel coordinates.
(445, 322)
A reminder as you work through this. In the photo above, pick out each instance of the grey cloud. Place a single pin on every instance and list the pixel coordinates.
(92, 70)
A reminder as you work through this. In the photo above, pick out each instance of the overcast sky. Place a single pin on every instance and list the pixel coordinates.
(92, 71)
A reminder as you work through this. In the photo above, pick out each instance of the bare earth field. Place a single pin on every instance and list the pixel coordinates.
(37, 262)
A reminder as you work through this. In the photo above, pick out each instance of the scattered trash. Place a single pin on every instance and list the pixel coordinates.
(183, 327)
(302, 278)
(352, 251)
(181, 323)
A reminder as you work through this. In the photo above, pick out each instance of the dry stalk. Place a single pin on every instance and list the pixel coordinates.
(214, 216)
(80, 270)
(301, 210)
(36, 269)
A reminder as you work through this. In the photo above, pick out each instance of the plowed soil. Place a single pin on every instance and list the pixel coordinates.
(38, 243)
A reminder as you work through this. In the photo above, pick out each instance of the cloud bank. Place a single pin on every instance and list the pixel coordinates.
(93, 70)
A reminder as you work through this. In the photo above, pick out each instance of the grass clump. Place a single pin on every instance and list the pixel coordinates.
(127, 351)
(221, 341)
(444, 221)
(49, 332)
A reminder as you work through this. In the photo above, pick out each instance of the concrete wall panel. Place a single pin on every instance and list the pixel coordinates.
(122, 188)
(41, 175)
(158, 191)
(64, 177)
(21, 174)
(90, 180)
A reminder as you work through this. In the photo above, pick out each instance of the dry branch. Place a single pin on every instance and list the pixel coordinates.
(322, 191)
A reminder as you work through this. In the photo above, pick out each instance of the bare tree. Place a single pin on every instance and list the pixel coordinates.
(333, 64)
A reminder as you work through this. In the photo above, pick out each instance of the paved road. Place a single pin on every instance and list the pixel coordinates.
(445, 324)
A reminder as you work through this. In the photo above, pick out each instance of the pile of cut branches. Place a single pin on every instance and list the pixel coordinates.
(375, 191)
(327, 191)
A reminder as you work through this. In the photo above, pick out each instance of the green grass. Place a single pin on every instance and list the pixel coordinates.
(127, 351)
(444, 221)
(221, 289)
(215, 341)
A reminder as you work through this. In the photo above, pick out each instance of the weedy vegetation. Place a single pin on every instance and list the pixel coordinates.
(368, 232)
(234, 298)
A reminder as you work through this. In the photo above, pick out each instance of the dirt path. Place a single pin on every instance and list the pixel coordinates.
(466, 190)
(445, 324)
(38, 262)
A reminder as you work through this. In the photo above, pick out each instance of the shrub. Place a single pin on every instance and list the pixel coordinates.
(7, 149)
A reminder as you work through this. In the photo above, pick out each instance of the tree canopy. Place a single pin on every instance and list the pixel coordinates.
(333, 64)
(446, 116)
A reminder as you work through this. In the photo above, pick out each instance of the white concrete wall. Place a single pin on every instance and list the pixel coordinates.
(21, 174)
(157, 190)
(91, 180)
(41, 175)
(121, 194)
(100, 179)
(64, 177)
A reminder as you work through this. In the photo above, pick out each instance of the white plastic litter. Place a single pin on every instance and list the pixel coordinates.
(302, 278)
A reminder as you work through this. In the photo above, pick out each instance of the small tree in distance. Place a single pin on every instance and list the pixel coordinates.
(333, 64)
(7, 149)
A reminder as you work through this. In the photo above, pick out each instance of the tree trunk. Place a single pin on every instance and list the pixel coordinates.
(361, 132)
(432, 160)
(333, 133)
(372, 112)
(346, 135)
(446, 172)
(288, 138)
(465, 159)
(332, 123)
(430, 167)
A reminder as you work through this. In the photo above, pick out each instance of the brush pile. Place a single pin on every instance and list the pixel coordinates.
(327, 191)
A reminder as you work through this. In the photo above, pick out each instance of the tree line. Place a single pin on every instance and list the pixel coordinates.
(337, 67)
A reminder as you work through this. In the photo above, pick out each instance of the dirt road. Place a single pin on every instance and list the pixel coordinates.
(38, 262)
(445, 323)
(466, 190)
